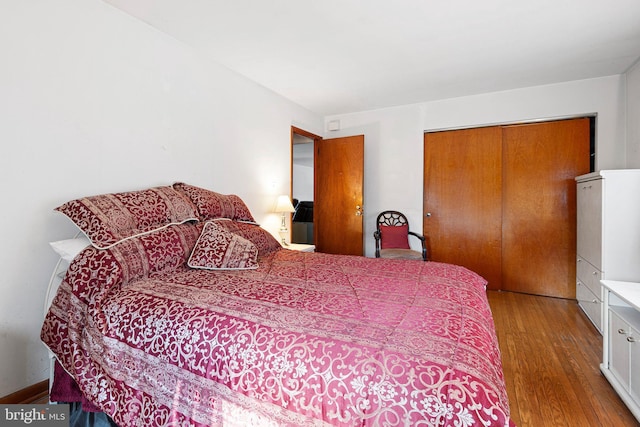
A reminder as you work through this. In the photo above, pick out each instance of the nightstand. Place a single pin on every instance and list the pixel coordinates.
(300, 247)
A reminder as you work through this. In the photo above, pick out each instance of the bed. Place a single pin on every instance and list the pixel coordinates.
(184, 311)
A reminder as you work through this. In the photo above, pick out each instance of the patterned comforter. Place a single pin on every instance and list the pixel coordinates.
(307, 339)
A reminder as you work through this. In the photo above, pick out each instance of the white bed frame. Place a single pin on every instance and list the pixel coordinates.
(55, 280)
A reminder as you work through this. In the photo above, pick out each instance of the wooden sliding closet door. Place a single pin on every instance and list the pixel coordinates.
(540, 162)
(463, 199)
(501, 201)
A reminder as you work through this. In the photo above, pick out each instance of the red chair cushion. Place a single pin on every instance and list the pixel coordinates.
(394, 236)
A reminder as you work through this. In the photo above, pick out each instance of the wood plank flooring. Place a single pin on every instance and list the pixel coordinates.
(551, 355)
(36, 393)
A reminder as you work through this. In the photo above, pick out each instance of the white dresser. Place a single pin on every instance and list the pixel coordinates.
(608, 239)
(621, 341)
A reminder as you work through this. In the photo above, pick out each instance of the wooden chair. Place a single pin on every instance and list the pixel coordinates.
(392, 237)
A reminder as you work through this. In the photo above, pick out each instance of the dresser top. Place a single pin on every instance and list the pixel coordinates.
(628, 291)
(608, 172)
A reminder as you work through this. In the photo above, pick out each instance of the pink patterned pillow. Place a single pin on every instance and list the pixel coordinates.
(394, 237)
(108, 219)
(257, 235)
(219, 249)
(213, 205)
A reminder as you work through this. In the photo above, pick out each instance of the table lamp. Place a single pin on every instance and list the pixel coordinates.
(284, 206)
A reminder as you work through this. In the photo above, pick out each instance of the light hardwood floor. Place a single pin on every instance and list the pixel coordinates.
(551, 356)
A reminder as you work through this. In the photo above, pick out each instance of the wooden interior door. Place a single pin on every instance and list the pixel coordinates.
(338, 198)
(463, 199)
(540, 162)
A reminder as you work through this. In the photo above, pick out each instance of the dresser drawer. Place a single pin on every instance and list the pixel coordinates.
(589, 276)
(590, 304)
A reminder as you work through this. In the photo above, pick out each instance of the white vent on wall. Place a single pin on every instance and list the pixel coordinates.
(333, 125)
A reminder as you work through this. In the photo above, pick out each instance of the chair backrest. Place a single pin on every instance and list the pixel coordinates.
(393, 228)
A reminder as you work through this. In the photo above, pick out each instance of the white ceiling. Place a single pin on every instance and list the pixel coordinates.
(340, 56)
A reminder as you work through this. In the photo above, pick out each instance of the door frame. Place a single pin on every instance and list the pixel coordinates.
(301, 132)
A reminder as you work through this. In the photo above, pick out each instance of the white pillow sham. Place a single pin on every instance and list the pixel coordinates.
(69, 248)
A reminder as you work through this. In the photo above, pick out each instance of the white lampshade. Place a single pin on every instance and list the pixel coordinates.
(284, 204)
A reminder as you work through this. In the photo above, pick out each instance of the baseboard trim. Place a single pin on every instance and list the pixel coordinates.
(28, 394)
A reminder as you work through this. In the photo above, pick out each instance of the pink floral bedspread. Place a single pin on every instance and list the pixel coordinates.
(307, 339)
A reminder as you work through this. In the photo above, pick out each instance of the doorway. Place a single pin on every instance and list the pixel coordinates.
(302, 185)
(330, 179)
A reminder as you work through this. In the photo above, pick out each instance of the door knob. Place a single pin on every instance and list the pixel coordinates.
(358, 210)
(428, 214)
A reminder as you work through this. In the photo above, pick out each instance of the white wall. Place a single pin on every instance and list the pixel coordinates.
(302, 182)
(392, 163)
(394, 136)
(93, 101)
(633, 117)
(303, 171)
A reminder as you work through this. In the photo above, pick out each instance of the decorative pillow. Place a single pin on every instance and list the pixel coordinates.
(219, 249)
(257, 235)
(68, 249)
(108, 219)
(157, 253)
(94, 272)
(394, 236)
(213, 205)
